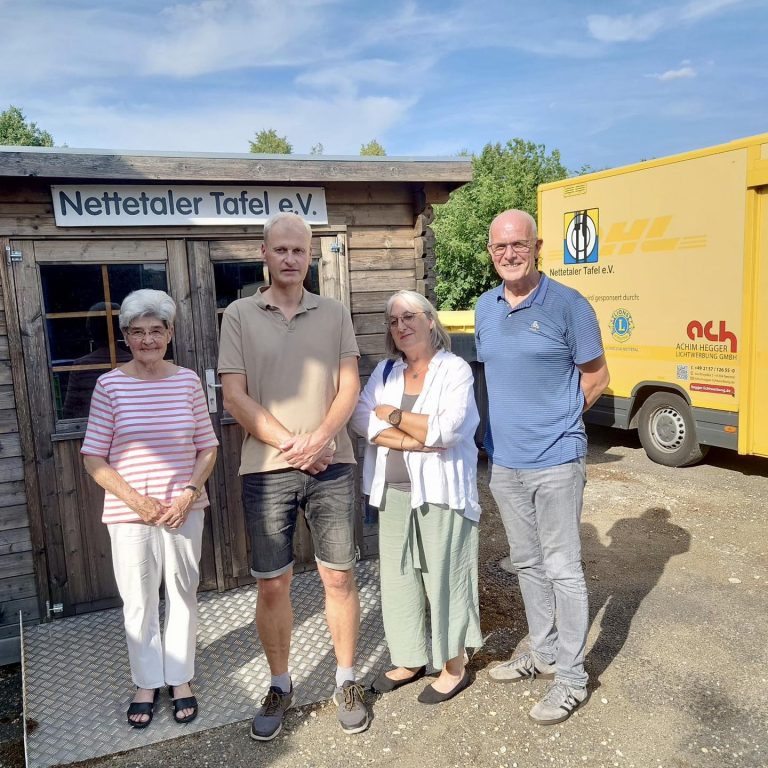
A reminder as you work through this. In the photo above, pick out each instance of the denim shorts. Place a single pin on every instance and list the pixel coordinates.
(272, 500)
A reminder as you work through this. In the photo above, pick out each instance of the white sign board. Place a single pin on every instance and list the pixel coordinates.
(163, 206)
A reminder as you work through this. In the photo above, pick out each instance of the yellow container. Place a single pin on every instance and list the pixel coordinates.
(458, 321)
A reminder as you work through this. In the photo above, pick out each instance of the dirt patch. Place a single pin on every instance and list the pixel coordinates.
(11, 728)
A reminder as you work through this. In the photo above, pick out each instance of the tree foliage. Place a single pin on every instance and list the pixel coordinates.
(373, 148)
(15, 130)
(317, 149)
(267, 142)
(504, 177)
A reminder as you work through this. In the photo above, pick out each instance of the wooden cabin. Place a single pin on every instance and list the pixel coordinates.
(79, 230)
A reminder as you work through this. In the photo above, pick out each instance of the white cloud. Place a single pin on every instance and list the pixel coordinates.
(341, 124)
(640, 27)
(46, 42)
(220, 35)
(676, 74)
(56, 43)
(348, 76)
(699, 9)
(626, 28)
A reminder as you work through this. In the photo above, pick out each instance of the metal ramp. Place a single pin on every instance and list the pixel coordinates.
(78, 682)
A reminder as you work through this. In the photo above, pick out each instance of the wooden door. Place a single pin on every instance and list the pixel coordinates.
(67, 296)
(221, 271)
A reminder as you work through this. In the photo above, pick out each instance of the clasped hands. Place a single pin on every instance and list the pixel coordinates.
(311, 452)
(155, 512)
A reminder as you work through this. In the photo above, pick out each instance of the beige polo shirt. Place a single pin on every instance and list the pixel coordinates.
(291, 367)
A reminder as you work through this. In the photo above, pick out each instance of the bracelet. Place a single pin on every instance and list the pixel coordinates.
(196, 492)
(402, 440)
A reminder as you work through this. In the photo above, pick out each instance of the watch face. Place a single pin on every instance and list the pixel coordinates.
(394, 417)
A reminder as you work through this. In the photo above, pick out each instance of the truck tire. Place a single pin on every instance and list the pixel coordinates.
(668, 432)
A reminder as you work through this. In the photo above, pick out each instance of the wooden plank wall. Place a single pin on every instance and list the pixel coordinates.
(18, 588)
(390, 248)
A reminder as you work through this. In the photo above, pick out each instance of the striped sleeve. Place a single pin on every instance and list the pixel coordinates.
(204, 436)
(101, 424)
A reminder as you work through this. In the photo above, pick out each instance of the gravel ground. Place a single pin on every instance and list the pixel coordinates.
(678, 577)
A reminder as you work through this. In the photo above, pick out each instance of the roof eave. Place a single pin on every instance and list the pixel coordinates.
(53, 163)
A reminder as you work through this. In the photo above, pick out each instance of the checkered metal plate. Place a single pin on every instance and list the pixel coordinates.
(78, 682)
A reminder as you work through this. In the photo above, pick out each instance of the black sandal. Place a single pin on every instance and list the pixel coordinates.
(142, 708)
(189, 702)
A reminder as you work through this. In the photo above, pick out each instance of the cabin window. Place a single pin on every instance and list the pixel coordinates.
(81, 303)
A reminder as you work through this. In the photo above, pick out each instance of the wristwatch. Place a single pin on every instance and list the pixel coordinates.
(196, 492)
(395, 417)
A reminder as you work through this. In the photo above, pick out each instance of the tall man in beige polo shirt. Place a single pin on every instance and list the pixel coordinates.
(288, 366)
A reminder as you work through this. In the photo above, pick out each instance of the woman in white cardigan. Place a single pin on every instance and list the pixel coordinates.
(419, 416)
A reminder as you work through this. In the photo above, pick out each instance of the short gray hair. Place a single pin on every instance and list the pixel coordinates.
(278, 217)
(147, 302)
(439, 336)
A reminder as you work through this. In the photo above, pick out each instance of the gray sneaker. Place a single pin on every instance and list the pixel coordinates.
(269, 718)
(559, 702)
(353, 711)
(526, 666)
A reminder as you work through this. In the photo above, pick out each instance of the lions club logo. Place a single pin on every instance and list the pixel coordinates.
(622, 325)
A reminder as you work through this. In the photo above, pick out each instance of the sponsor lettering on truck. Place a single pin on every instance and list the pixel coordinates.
(673, 255)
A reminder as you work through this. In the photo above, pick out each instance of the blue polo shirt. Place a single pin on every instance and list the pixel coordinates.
(530, 355)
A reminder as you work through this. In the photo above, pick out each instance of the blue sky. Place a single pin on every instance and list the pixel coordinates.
(606, 82)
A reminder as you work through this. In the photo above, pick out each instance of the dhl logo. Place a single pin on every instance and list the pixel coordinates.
(647, 236)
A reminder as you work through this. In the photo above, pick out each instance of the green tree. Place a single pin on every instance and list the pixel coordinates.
(317, 149)
(267, 142)
(504, 177)
(373, 148)
(15, 130)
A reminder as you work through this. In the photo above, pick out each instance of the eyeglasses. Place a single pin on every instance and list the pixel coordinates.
(139, 334)
(518, 246)
(406, 317)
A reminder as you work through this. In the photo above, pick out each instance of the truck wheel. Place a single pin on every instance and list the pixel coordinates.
(668, 432)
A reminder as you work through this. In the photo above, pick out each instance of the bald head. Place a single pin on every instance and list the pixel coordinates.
(512, 219)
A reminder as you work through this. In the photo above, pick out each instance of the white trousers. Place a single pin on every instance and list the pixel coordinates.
(142, 557)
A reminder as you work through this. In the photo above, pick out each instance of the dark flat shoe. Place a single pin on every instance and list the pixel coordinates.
(142, 708)
(430, 696)
(384, 684)
(189, 702)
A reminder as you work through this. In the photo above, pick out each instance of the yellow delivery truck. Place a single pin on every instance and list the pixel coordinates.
(673, 255)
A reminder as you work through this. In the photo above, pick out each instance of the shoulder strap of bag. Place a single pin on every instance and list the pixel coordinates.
(388, 369)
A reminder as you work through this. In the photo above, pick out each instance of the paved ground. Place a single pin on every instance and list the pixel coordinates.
(678, 575)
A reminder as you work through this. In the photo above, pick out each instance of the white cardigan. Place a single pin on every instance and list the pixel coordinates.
(447, 477)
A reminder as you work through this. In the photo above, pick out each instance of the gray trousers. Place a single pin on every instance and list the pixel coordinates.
(430, 553)
(541, 512)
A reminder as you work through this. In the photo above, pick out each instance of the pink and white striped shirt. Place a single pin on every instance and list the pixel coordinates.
(150, 432)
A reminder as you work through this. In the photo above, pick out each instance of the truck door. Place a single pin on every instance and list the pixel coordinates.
(754, 439)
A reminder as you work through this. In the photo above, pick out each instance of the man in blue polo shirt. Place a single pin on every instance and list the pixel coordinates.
(544, 366)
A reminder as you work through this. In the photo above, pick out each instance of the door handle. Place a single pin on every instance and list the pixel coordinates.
(210, 389)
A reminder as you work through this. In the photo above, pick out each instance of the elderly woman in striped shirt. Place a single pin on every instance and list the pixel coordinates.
(150, 444)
